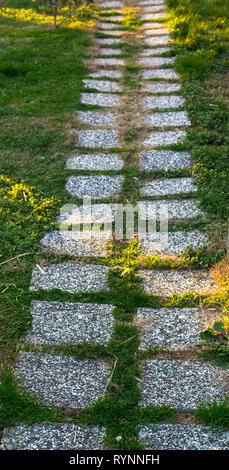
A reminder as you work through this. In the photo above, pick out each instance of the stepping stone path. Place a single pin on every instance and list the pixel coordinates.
(71, 382)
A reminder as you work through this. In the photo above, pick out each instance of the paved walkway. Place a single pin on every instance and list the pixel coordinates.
(158, 109)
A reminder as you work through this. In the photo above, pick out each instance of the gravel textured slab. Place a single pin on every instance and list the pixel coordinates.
(72, 215)
(100, 161)
(106, 73)
(114, 4)
(162, 102)
(166, 74)
(107, 25)
(70, 277)
(77, 243)
(108, 41)
(161, 139)
(96, 118)
(165, 186)
(99, 99)
(97, 186)
(64, 322)
(150, 24)
(157, 32)
(110, 62)
(166, 283)
(181, 384)
(165, 159)
(170, 119)
(154, 51)
(171, 243)
(177, 210)
(102, 85)
(182, 437)
(104, 138)
(156, 40)
(62, 380)
(174, 328)
(156, 61)
(153, 16)
(154, 7)
(59, 436)
(115, 17)
(106, 51)
(158, 87)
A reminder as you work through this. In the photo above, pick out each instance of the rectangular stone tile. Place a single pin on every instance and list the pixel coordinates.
(64, 322)
(57, 436)
(156, 40)
(170, 119)
(156, 61)
(98, 138)
(153, 16)
(181, 384)
(109, 62)
(72, 215)
(165, 186)
(100, 161)
(106, 73)
(161, 139)
(177, 209)
(157, 32)
(70, 277)
(171, 243)
(108, 41)
(114, 4)
(154, 6)
(107, 25)
(154, 51)
(76, 242)
(96, 118)
(62, 380)
(99, 99)
(163, 102)
(164, 159)
(102, 85)
(150, 24)
(174, 328)
(115, 17)
(166, 283)
(164, 74)
(107, 51)
(182, 437)
(96, 187)
(161, 87)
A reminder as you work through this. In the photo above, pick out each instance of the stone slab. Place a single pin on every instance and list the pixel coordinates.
(106, 73)
(57, 436)
(96, 118)
(109, 51)
(77, 243)
(162, 139)
(99, 99)
(162, 74)
(169, 119)
(97, 186)
(72, 215)
(62, 380)
(181, 384)
(177, 209)
(72, 323)
(101, 138)
(102, 85)
(154, 51)
(109, 62)
(166, 282)
(166, 186)
(100, 161)
(164, 159)
(157, 32)
(108, 41)
(174, 328)
(171, 243)
(161, 87)
(182, 437)
(163, 102)
(156, 61)
(70, 277)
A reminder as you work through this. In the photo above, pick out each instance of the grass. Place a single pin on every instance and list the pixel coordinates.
(41, 76)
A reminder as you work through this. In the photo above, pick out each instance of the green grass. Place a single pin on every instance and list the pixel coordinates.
(214, 414)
